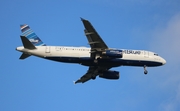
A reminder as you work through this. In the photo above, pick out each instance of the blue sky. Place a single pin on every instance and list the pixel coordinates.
(36, 84)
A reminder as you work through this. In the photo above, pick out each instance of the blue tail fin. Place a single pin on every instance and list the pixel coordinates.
(31, 36)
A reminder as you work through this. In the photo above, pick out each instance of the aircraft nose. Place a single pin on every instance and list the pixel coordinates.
(163, 61)
(17, 48)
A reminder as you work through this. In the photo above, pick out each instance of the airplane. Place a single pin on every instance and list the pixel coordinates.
(99, 57)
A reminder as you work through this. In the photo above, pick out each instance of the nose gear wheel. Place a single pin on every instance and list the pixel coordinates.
(145, 71)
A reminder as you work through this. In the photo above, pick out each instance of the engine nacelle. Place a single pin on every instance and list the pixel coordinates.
(110, 75)
(113, 53)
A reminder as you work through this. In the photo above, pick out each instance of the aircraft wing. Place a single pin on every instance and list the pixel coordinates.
(97, 46)
(92, 72)
(95, 41)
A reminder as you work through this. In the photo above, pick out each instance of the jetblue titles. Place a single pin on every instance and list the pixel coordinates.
(132, 52)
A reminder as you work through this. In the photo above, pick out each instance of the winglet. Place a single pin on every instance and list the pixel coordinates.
(78, 81)
(74, 82)
(82, 18)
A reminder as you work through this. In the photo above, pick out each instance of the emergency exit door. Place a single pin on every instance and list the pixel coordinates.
(47, 49)
(146, 54)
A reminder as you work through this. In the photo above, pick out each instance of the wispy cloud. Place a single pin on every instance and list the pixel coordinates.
(166, 41)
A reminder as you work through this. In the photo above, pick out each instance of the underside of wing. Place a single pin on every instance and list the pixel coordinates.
(95, 41)
(92, 72)
(84, 78)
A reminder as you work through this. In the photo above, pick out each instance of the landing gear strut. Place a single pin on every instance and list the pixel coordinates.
(145, 71)
(96, 59)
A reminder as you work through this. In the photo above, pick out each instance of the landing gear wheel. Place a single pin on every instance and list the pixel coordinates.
(145, 71)
(95, 61)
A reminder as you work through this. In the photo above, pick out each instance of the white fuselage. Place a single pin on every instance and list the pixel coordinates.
(81, 55)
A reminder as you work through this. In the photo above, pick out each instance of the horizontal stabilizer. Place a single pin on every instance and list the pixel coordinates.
(24, 56)
(26, 43)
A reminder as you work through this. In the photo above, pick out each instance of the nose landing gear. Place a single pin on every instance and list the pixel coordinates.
(145, 71)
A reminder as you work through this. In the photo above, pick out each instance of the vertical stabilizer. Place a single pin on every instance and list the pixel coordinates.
(31, 36)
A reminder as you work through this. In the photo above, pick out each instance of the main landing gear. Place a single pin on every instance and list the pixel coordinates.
(145, 71)
(96, 59)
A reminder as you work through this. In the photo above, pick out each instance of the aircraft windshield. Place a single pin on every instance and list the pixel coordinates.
(156, 54)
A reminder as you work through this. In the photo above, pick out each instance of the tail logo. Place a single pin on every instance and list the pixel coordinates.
(33, 40)
(30, 35)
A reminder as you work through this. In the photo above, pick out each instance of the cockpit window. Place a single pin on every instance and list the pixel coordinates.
(156, 54)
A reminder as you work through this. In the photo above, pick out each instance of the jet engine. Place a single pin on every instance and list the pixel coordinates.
(110, 74)
(113, 53)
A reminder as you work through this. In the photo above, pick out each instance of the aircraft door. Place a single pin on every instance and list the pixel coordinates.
(146, 54)
(47, 49)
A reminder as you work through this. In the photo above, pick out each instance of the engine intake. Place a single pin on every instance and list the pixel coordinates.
(113, 53)
(110, 75)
